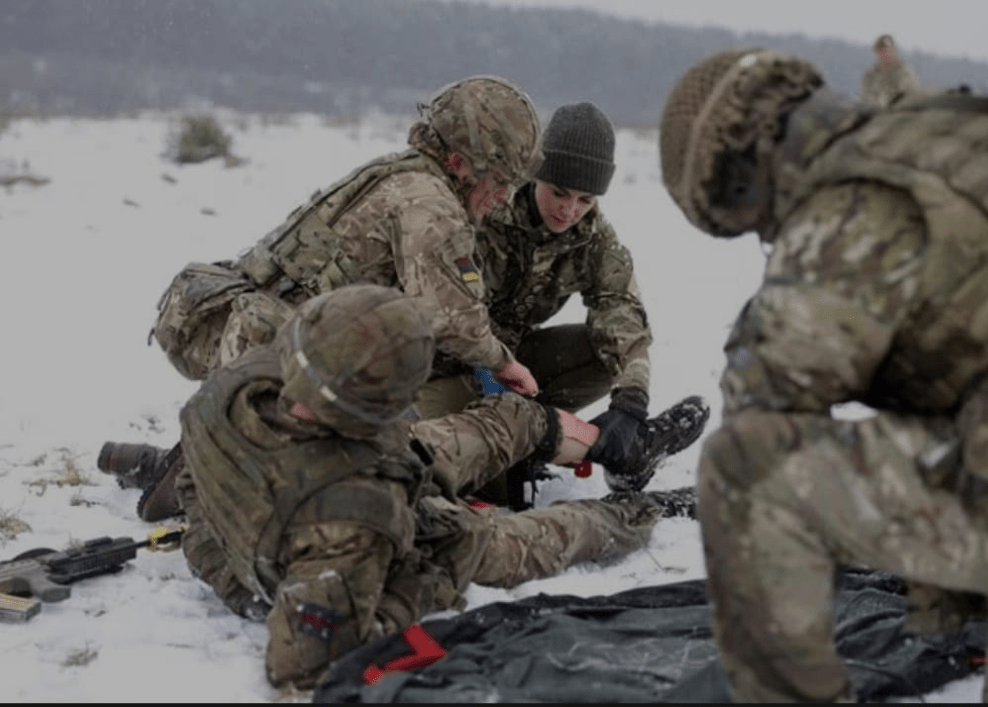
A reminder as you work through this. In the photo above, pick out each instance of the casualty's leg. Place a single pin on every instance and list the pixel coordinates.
(476, 445)
(504, 550)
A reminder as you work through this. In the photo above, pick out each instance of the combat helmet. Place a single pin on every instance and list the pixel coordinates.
(730, 103)
(884, 41)
(490, 122)
(356, 357)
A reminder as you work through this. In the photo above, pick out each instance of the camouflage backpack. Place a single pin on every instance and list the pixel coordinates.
(292, 263)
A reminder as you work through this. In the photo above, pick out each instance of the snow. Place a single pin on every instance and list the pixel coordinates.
(87, 255)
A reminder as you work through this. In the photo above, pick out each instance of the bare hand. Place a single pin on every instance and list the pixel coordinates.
(518, 378)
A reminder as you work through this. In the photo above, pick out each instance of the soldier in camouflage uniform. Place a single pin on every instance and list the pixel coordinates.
(315, 502)
(406, 220)
(875, 292)
(550, 242)
(889, 77)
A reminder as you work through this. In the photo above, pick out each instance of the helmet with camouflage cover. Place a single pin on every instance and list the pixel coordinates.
(884, 41)
(490, 122)
(356, 357)
(732, 103)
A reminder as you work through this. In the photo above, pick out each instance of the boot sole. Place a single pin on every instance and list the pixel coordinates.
(159, 499)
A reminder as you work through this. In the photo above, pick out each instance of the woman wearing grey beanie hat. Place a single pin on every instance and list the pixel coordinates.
(549, 242)
(578, 146)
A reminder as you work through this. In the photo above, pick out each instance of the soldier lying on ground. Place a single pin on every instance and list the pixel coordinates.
(876, 292)
(313, 501)
(405, 220)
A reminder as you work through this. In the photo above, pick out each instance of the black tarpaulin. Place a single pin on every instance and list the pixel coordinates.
(651, 644)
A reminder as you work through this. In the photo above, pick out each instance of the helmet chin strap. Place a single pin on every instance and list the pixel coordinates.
(464, 182)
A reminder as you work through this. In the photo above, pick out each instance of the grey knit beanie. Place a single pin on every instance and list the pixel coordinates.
(578, 146)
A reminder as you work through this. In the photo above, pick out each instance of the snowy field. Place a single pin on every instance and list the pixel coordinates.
(92, 239)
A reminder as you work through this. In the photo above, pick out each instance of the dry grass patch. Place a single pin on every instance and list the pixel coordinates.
(78, 500)
(13, 172)
(198, 138)
(80, 657)
(11, 526)
(65, 473)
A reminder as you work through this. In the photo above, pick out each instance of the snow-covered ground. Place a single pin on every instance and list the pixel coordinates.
(91, 242)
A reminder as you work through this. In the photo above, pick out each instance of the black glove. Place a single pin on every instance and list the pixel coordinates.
(619, 427)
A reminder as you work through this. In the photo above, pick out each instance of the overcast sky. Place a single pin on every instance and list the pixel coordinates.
(947, 27)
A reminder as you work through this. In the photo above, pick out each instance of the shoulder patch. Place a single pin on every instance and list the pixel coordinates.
(468, 271)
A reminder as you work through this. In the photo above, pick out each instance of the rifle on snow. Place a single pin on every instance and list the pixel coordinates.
(42, 574)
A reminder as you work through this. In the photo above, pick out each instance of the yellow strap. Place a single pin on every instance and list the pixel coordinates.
(155, 536)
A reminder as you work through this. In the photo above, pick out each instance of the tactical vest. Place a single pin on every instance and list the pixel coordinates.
(305, 248)
(250, 495)
(937, 150)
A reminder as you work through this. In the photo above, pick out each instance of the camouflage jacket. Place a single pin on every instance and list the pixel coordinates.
(530, 273)
(876, 289)
(399, 222)
(881, 84)
(259, 470)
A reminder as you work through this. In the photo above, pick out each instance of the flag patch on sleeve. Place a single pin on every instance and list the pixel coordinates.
(468, 271)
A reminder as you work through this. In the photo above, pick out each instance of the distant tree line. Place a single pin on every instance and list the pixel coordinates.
(344, 58)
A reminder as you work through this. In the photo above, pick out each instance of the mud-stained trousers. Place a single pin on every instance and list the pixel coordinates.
(785, 500)
(505, 549)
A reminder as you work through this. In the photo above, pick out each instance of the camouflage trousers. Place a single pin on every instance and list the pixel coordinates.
(785, 500)
(570, 377)
(373, 585)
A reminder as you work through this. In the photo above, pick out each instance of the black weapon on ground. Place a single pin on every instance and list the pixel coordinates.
(43, 575)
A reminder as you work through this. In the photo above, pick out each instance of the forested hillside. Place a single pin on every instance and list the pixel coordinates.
(345, 58)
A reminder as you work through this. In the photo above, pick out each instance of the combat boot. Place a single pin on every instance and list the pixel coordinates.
(151, 469)
(133, 465)
(668, 433)
(159, 500)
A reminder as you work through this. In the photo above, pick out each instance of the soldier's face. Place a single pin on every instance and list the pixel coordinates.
(487, 194)
(561, 208)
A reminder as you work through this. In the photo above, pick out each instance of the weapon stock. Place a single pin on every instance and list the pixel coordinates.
(42, 575)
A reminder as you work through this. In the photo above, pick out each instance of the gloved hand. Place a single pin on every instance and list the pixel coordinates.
(619, 427)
